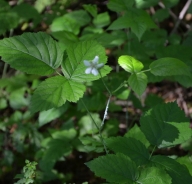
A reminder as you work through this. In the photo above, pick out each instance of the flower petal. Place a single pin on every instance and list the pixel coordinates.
(87, 63)
(94, 71)
(100, 65)
(95, 60)
(88, 70)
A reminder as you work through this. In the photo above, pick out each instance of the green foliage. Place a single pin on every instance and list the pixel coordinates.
(33, 53)
(28, 173)
(86, 83)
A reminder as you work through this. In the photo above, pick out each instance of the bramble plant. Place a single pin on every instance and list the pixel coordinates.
(69, 65)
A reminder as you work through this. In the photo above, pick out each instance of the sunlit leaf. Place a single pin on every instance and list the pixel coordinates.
(33, 53)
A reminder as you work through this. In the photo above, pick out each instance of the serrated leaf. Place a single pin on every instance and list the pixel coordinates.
(130, 64)
(178, 172)
(153, 175)
(131, 147)
(114, 168)
(187, 161)
(138, 82)
(120, 5)
(136, 133)
(91, 8)
(136, 19)
(33, 53)
(155, 123)
(169, 66)
(54, 91)
(185, 134)
(73, 67)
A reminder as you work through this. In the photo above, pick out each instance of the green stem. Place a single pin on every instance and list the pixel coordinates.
(144, 71)
(121, 85)
(99, 129)
(152, 152)
(4, 70)
(58, 73)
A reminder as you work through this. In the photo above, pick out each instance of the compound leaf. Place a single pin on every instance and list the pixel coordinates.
(33, 53)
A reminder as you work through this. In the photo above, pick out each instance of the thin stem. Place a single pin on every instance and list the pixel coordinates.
(4, 70)
(121, 85)
(181, 15)
(105, 84)
(152, 152)
(144, 71)
(58, 73)
(99, 130)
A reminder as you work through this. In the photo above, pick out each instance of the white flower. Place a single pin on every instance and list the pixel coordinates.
(93, 66)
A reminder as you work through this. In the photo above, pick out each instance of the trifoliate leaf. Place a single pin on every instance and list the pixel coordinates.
(54, 91)
(33, 53)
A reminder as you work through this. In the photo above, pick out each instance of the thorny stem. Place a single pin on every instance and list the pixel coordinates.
(101, 137)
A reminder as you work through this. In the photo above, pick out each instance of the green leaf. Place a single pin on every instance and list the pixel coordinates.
(91, 8)
(114, 168)
(131, 147)
(73, 67)
(169, 66)
(27, 12)
(186, 160)
(71, 22)
(138, 20)
(17, 99)
(185, 133)
(137, 134)
(120, 5)
(33, 53)
(153, 175)
(130, 64)
(141, 4)
(101, 20)
(51, 114)
(178, 172)
(87, 126)
(54, 91)
(138, 83)
(56, 149)
(156, 123)
(3, 103)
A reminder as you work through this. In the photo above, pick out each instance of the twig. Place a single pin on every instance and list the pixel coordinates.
(181, 15)
(98, 128)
